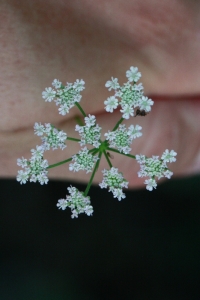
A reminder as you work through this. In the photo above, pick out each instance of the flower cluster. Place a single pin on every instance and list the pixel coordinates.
(155, 167)
(122, 138)
(77, 202)
(54, 138)
(83, 161)
(35, 169)
(131, 95)
(64, 96)
(115, 181)
(90, 133)
(128, 96)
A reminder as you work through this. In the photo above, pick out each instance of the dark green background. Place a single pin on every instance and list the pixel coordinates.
(145, 247)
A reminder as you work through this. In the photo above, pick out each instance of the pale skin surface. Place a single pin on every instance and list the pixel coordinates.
(94, 40)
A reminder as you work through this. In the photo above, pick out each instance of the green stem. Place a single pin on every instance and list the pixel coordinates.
(94, 151)
(118, 123)
(80, 108)
(73, 139)
(92, 176)
(114, 150)
(107, 158)
(59, 163)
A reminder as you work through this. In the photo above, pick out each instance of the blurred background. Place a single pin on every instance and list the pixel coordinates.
(144, 247)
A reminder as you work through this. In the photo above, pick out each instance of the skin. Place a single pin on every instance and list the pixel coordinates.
(94, 40)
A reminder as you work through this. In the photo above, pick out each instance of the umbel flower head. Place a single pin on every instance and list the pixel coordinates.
(115, 181)
(90, 133)
(83, 161)
(35, 169)
(154, 167)
(53, 138)
(130, 94)
(127, 98)
(122, 138)
(77, 202)
(64, 96)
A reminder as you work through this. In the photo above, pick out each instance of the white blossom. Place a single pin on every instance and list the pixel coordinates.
(151, 183)
(169, 156)
(53, 138)
(79, 85)
(115, 181)
(35, 169)
(49, 94)
(22, 176)
(112, 84)
(90, 120)
(77, 202)
(22, 162)
(122, 138)
(134, 131)
(127, 111)
(154, 167)
(133, 74)
(168, 174)
(37, 153)
(56, 83)
(89, 134)
(83, 161)
(145, 103)
(39, 129)
(111, 103)
(64, 96)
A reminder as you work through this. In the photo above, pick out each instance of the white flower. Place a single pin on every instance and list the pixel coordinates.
(48, 94)
(22, 162)
(117, 193)
(168, 174)
(64, 96)
(79, 85)
(151, 183)
(39, 129)
(54, 138)
(37, 153)
(83, 161)
(155, 167)
(62, 204)
(89, 135)
(111, 104)
(90, 120)
(77, 202)
(120, 138)
(115, 182)
(127, 111)
(130, 95)
(22, 176)
(145, 104)
(134, 131)
(133, 74)
(169, 156)
(140, 158)
(113, 84)
(42, 178)
(35, 169)
(63, 109)
(138, 87)
(56, 83)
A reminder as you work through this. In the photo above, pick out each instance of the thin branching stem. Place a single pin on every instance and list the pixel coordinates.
(93, 174)
(116, 151)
